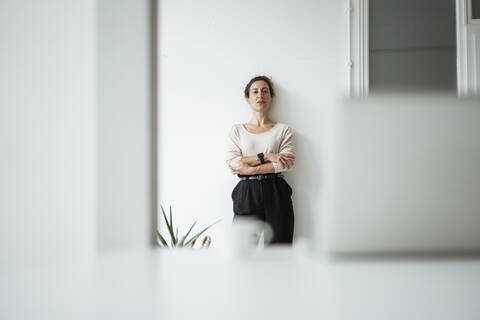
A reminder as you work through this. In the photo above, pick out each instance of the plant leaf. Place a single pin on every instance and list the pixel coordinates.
(195, 237)
(162, 240)
(174, 239)
(182, 241)
(164, 216)
(169, 226)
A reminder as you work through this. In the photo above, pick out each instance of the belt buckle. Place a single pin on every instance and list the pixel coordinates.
(260, 177)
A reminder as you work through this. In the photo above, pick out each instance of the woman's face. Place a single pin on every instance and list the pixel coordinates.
(260, 98)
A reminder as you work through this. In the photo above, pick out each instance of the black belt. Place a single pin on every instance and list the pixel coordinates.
(261, 176)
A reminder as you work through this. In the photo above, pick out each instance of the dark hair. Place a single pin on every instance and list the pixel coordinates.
(246, 92)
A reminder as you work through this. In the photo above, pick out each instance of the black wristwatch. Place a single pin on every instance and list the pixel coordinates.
(261, 156)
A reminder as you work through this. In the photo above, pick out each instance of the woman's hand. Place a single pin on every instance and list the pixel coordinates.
(243, 168)
(284, 159)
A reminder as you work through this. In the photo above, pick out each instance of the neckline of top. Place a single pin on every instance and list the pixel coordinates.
(244, 128)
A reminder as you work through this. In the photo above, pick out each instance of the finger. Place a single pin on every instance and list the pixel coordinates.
(284, 160)
(287, 155)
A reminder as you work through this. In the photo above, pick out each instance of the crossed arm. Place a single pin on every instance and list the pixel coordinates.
(250, 165)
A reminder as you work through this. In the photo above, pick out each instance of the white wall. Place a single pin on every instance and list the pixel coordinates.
(208, 51)
(125, 119)
(46, 129)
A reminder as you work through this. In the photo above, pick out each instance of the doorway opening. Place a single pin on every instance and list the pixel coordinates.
(412, 45)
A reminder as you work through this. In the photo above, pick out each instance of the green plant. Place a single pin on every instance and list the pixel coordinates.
(175, 242)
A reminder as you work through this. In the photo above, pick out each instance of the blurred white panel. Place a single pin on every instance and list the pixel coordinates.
(408, 175)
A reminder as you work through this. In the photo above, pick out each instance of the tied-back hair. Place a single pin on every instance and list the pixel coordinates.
(268, 80)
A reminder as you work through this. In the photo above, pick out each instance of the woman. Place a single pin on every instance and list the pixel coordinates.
(258, 152)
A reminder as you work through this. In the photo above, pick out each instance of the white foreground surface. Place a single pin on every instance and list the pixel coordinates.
(270, 284)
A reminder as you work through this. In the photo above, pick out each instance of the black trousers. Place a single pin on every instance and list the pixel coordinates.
(268, 200)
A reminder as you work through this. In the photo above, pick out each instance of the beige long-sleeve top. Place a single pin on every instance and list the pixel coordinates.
(242, 143)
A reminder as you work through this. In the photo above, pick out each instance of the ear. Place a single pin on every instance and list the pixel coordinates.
(246, 99)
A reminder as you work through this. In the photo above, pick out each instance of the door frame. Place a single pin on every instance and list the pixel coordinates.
(468, 50)
(358, 48)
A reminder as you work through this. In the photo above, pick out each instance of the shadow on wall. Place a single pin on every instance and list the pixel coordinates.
(306, 181)
(306, 176)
